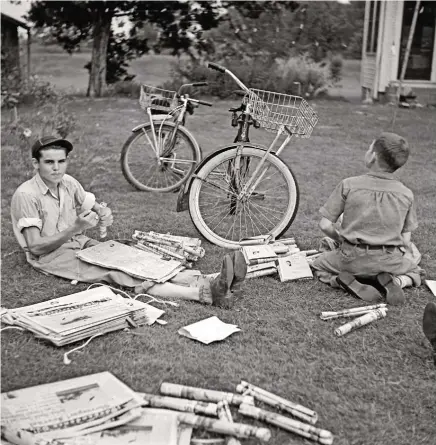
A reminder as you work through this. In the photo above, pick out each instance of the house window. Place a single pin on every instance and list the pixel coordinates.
(374, 17)
(419, 65)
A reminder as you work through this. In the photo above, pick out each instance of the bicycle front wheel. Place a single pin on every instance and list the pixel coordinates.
(164, 169)
(223, 216)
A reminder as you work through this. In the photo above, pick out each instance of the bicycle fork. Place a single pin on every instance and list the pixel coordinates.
(258, 174)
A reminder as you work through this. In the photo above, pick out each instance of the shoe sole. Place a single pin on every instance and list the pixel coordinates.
(226, 300)
(362, 291)
(394, 293)
(429, 322)
(239, 271)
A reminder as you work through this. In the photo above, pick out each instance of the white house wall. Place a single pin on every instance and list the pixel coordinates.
(389, 41)
(367, 72)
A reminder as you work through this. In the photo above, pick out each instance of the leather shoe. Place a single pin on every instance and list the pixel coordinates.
(220, 286)
(393, 292)
(363, 291)
(239, 273)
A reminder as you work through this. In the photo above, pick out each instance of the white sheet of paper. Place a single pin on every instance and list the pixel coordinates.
(209, 330)
(432, 286)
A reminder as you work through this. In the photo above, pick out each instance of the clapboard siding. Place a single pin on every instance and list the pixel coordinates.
(368, 71)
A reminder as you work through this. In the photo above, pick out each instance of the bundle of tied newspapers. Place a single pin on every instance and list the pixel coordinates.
(175, 247)
(81, 315)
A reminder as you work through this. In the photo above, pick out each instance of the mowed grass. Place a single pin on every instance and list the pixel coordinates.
(374, 386)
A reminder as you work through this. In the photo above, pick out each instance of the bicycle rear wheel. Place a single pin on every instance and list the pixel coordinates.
(178, 156)
(224, 218)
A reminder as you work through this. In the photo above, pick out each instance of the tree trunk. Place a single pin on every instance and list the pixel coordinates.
(97, 75)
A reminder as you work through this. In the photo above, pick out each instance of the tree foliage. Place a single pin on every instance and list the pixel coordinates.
(224, 29)
(180, 25)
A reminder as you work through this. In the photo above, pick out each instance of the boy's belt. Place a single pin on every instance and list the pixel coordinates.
(371, 247)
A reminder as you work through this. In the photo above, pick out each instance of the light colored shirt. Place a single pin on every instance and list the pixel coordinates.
(34, 205)
(376, 207)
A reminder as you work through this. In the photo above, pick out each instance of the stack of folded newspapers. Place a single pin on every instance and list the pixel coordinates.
(137, 263)
(81, 315)
(50, 414)
(180, 248)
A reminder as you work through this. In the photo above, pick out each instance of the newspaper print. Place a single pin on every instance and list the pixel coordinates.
(67, 408)
(303, 429)
(205, 395)
(351, 312)
(377, 314)
(134, 262)
(81, 315)
(187, 247)
(278, 402)
(255, 267)
(240, 430)
(186, 405)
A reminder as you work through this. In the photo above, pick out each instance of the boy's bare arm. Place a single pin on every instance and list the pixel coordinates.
(329, 229)
(39, 245)
(407, 238)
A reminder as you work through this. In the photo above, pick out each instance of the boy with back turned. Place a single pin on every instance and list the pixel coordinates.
(374, 238)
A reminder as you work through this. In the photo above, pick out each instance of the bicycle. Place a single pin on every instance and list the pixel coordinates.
(161, 154)
(244, 190)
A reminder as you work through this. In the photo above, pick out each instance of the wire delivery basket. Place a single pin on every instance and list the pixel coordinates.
(272, 110)
(157, 98)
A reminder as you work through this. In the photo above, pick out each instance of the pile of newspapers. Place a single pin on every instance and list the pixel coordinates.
(99, 409)
(266, 256)
(96, 409)
(81, 315)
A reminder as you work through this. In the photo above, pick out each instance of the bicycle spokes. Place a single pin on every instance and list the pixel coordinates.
(234, 217)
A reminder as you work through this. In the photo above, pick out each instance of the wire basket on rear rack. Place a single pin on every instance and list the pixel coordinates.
(157, 99)
(272, 110)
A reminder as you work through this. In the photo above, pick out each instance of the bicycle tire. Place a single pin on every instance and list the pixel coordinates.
(139, 162)
(204, 197)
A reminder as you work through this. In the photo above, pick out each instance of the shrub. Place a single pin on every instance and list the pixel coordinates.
(40, 111)
(336, 64)
(280, 75)
(128, 88)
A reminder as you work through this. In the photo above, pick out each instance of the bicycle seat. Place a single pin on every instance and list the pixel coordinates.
(235, 109)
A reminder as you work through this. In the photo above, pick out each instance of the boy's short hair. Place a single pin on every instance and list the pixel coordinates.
(392, 151)
(50, 142)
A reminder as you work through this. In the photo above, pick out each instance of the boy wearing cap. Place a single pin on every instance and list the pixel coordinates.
(50, 212)
(374, 237)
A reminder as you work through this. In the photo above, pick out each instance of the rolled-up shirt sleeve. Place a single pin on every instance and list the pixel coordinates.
(24, 212)
(334, 206)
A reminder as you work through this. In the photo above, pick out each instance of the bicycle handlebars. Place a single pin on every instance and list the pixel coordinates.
(203, 102)
(216, 67)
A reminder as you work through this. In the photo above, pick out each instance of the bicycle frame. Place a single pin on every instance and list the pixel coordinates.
(241, 138)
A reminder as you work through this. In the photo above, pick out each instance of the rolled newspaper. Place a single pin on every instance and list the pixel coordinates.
(352, 312)
(103, 229)
(287, 241)
(262, 272)
(361, 321)
(271, 399)
(224, 413)
(240, 430)
(303, 429)
(188, 406)
(205, 395)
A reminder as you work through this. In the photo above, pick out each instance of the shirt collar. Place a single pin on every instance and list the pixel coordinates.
(382, 175)
(43, 186)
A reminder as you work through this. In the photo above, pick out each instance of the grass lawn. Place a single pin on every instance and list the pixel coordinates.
(374, 386)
